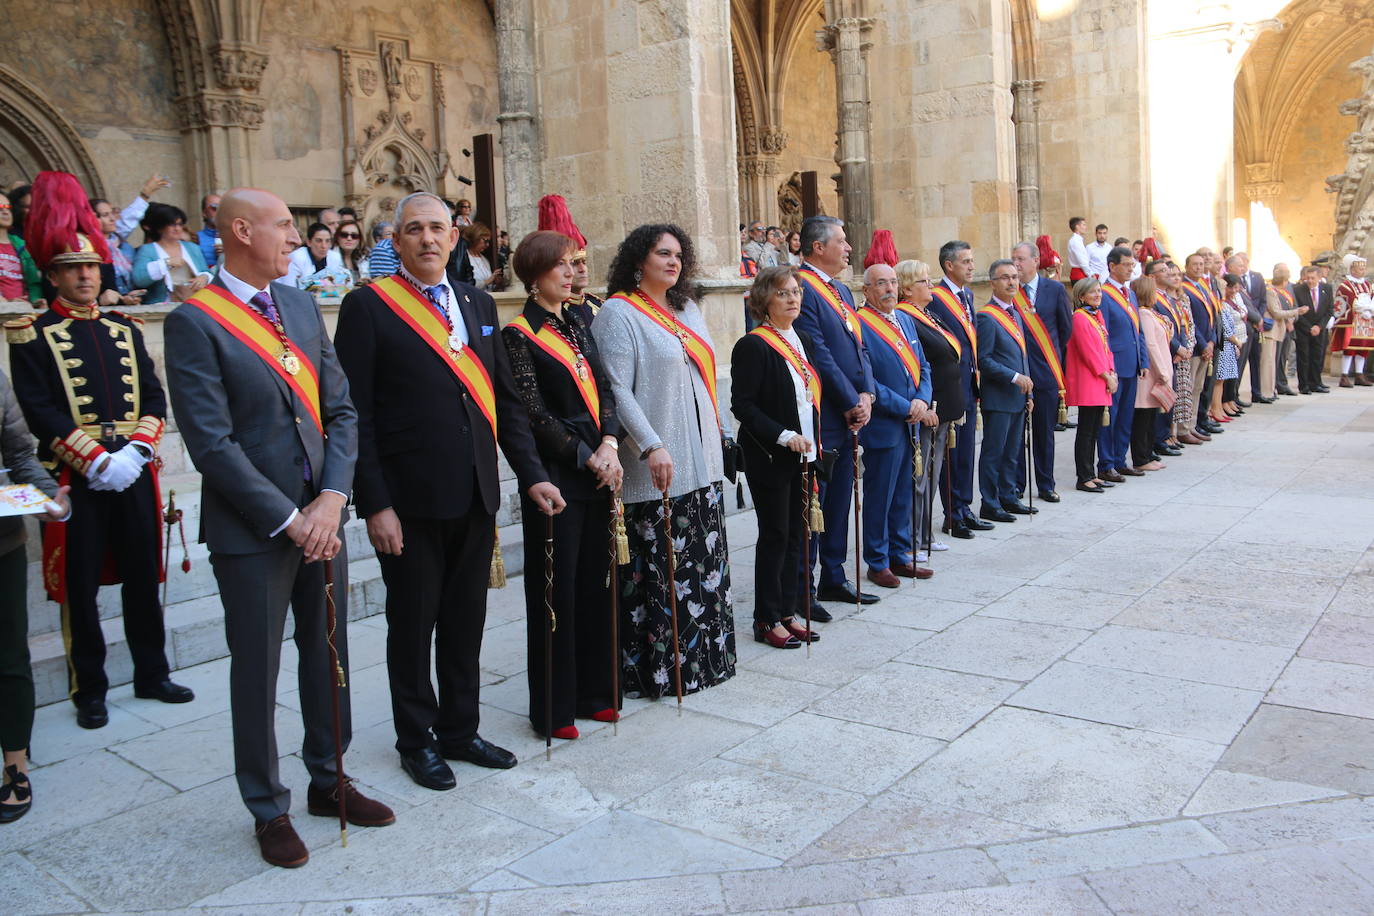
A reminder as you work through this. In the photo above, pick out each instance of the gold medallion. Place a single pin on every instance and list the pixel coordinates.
(582, 371)
(290, 362)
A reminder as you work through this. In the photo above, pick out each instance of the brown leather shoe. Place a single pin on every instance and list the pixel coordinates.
(909, 571)
(279, 843)
(1189, 439)
(884, 578)
(1346, 382)
(1129, 472)
(1112, 476)
(1362, 381)
(360, 810)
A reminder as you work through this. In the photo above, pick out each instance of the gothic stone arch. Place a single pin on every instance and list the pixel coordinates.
(35, 137)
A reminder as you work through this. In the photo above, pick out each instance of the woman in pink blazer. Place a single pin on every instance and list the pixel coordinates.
(1155, 391)
(1090, 379)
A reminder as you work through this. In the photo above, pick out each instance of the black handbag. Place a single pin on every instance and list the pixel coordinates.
(825, 462)
(732, 455)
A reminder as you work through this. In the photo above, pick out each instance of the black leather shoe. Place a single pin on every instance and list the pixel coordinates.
(844, 593)
(1243, 404)
(1072, 424)
(479, 751)
(1048, 496)
(165, 692)
(1302, 391)
(1130, 472)
(92, 713)
(818, 613)
(1322, 389)
(976, 524)
(996, 514)
(958, 530)
(1060, 427)
(1020, 508)
(427, 768)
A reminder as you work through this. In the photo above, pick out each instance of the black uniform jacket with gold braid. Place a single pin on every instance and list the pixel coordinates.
(87, 387)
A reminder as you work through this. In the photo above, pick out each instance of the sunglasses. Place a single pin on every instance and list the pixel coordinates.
(5, 207)
(349, 235)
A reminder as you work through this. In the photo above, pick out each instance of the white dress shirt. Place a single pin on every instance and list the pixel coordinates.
(1078, 253)
(455, 311)
(804, 407)
(1097, 260)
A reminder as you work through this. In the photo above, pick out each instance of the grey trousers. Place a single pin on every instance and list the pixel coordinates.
(256, 589)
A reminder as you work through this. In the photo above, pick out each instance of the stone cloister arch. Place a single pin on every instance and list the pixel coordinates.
(34, 136)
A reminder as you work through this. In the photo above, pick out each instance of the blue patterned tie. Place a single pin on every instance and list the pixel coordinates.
(438, 296)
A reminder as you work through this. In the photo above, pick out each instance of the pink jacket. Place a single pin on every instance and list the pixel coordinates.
(1089, 357)
(1161, 371)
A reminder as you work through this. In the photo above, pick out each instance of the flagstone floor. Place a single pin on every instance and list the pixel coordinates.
(1159, 700)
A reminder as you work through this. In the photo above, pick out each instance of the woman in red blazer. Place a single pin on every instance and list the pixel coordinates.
(1090, 379)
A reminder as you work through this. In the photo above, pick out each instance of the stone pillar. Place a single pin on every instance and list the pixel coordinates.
(847, 37)
(521, 148)
(1026, 115)
(758, 177)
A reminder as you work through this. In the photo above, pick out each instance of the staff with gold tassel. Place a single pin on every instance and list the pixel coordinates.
(620, 556)
(337, 682)
(672, 594)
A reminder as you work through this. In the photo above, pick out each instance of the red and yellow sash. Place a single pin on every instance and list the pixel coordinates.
(411, 306)
(1124, 302)
(1286, 296)
(1101, 325)
(832, 299)
(552, 343)
(894, 340)
(1204, 292)
(698, 350)
(999, 315)
(956, 308)
(1042, 338)
(929, 322)
(255, 332)
(794, 359)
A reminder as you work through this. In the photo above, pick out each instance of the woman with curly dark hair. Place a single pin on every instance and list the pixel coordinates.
(658, 356)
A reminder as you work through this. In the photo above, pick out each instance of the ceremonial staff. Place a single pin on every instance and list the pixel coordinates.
(858, 563)
(672, 594)
(917, 471)
(808, 480)
(620, 555)
(550, 624)
(173, 516)
(336, 683)
(1030, 463)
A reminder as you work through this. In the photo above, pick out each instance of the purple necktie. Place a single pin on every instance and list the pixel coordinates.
(264, 304)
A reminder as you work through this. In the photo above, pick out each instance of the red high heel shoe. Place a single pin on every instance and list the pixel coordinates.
(763, 632)
(567, 732)
(800, 631)
(606, 715)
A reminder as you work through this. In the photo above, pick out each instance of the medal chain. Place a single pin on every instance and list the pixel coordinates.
(801, 362)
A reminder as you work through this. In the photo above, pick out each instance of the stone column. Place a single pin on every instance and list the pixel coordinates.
(846, 37)
(1026, 115)
(758, 177)
(521, 142)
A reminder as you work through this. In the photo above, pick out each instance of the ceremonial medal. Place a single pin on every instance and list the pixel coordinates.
(455, 343)
(290, 362)
(581, 370)
(849, 326)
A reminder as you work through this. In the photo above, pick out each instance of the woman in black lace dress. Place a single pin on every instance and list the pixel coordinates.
(572, 414)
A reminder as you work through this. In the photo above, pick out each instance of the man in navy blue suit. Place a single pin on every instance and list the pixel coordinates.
(1122, 312)
(847, 391)
(902, 401)
(1045, 302)
(1207, 339)
(953, 306)
(1006, 388)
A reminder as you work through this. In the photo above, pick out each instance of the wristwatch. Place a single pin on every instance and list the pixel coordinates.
(612, 441)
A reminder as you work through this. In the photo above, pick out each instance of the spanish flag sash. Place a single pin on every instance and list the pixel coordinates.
(929, 322)
(697, 350)
(411, 306)
(794, 358)
(1041, 335)
(1101, 325)
(832, 299)
(956, 308)
(1008, 323)
(894, 340)
(1286, 296)
(257, 334)
(1204, 293)
(556, 346)
(1125, 304)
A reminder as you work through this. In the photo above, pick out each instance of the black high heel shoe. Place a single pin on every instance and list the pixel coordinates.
(19, 789)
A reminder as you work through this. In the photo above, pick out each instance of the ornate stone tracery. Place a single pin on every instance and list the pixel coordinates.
(41, 135)
(1354, 188)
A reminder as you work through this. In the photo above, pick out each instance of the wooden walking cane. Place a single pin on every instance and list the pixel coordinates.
(337, 682)
(550, 624)
(672, 594)
(620, 555)
(858, 543)
(1030, 466)
(916, 472)
(808, 478)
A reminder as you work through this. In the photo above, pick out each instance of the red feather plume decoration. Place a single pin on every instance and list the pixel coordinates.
(882, 250)
(554, 216)
(59, 211)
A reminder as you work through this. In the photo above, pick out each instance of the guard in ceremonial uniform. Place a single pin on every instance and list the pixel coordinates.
(91, 395)
(554, 217)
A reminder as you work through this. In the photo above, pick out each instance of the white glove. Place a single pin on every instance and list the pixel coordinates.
(99, 479)
(125, 467)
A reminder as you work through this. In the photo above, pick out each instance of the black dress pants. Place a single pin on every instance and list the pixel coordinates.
(1309, 347)
(436, 592)
(1085, 442)
(581, 658)
(124, 525)
(1143, 435)
(16, 677)
(778, 506)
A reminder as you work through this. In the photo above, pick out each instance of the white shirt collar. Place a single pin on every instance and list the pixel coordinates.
(1030, 288)
(820, 273)
(1005, 306)
(242, 291)
(955, 287)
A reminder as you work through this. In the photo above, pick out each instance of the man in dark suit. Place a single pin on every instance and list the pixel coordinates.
(1257, 293)
(1122, 312)
(1006, 391)
(1316, 296)
(1043, 300)
(953, 306)
(263, 408)
(433, 389)
(847, 392)
(1207, 337)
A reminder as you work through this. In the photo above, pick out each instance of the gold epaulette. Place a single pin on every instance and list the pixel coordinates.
(20, 330)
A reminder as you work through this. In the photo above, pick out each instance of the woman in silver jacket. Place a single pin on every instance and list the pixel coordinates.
(657, 353)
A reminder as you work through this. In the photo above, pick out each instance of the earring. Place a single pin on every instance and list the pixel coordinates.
(639, 275)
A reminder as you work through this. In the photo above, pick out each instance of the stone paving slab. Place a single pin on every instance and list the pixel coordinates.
(1134, 703)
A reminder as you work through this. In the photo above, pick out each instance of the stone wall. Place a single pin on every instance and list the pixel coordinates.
(1094, 140)
(809, 112)
(943, 148)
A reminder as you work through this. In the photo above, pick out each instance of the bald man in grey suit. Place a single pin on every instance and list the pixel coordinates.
(263, 407)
